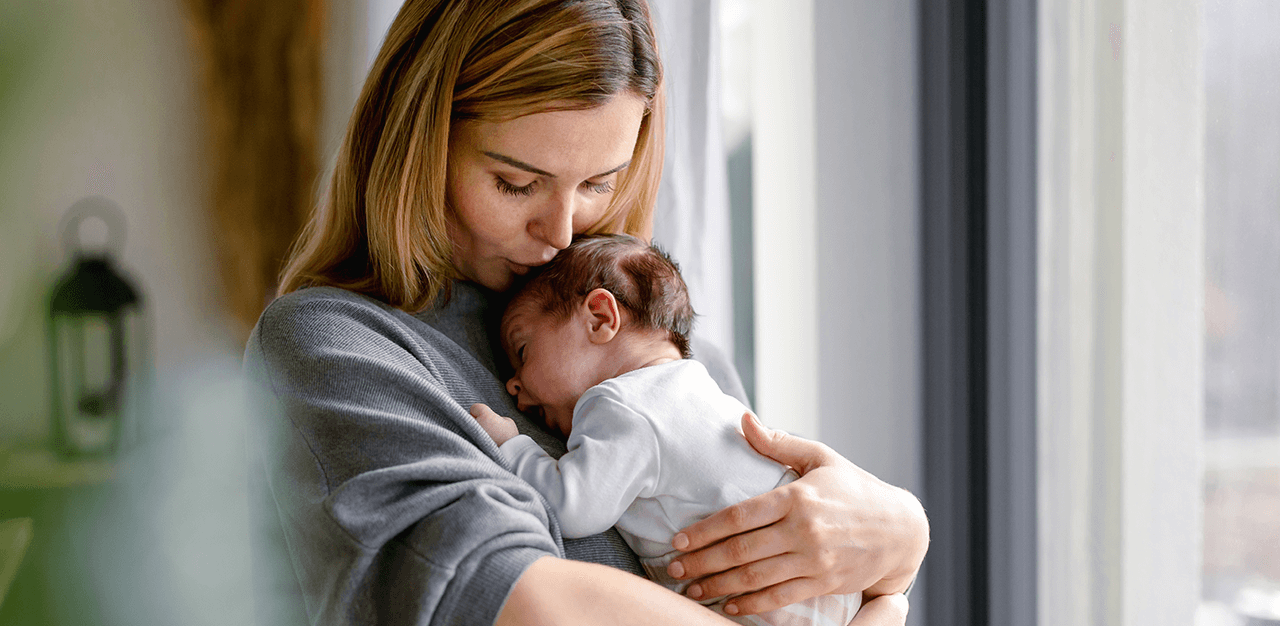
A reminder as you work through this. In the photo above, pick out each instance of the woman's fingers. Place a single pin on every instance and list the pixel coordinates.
(732, 552)
(480, 410)
(890, 610)
(774, 597)
(748, 578)
(749, 514)
(801, 454)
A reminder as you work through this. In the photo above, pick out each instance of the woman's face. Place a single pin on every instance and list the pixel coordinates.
(519, 190)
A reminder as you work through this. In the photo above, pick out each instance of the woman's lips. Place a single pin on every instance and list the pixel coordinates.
(523, 268)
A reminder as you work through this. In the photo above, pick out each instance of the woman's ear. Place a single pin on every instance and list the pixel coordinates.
(604, 319)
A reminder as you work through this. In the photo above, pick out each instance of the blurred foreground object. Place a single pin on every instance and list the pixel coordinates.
(97, 341)
(15, 534)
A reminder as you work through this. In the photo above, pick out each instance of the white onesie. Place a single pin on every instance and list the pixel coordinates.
(653, 451)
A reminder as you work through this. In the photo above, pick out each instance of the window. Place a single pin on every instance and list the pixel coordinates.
(1241, 567)
(1121, 275)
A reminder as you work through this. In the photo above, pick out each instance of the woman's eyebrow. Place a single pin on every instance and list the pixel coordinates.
(518, 163)
(616, 169)
(533, 170)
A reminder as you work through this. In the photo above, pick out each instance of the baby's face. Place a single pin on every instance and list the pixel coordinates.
(553, 363)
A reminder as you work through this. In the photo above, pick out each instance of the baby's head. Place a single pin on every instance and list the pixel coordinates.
(604, 306)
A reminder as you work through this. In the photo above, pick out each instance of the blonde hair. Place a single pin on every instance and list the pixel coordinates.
(381, 228)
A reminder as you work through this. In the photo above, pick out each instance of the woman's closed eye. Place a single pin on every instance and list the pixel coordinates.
(600, 188)
(512, 190)
(523, 191)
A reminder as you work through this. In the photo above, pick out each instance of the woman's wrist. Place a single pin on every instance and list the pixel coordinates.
(913, 524)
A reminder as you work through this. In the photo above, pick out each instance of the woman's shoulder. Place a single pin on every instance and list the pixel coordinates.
(318, 307)
(313, 300)
(336, 329)
(317, 319)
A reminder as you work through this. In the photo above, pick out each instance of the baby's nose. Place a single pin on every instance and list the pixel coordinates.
(513, 386)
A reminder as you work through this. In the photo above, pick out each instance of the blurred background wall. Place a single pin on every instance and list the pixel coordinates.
(101, 100)
(111, 98)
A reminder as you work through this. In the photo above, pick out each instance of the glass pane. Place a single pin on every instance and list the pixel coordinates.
(1242, 313)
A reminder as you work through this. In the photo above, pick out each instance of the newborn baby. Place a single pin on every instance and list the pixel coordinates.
(599, 339)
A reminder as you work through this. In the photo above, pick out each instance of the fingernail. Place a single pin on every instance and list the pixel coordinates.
(676, 569)
(680, 541)
(731, 609)
(695, 591)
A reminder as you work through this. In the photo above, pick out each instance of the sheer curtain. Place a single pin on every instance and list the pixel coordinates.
(691, 220)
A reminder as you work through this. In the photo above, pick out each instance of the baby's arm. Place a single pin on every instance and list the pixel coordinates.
(612, 458)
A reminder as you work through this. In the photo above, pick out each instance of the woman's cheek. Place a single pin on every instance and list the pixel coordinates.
(594, 210)
(495, 219)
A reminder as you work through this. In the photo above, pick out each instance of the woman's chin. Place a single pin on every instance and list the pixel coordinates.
(496, 279)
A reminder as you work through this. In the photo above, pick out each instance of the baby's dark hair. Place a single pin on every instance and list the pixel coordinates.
(643, 279)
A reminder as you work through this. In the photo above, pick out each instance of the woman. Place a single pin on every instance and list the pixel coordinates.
(490, 132)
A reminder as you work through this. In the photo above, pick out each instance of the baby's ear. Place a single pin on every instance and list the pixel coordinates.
(603, 318)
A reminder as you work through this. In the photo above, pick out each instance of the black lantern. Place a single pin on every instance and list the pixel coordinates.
(96, 335)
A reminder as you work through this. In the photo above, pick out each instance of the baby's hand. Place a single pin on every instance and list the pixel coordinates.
(499, 428)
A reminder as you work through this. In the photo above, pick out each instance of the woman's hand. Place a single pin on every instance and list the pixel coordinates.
(837, 529)
(499, 428)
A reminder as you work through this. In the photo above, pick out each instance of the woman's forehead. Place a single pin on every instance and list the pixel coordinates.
(575, 144)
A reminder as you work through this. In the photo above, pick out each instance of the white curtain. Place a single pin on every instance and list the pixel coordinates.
(692, 217)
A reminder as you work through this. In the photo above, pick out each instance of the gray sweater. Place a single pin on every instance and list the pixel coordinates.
(395, 504)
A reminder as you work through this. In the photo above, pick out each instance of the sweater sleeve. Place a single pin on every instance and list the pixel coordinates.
(613, 458)
(394, 506)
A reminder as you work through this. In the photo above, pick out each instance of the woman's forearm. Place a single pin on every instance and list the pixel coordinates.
(557, 591)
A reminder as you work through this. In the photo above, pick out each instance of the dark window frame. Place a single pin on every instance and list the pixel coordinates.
(978, 134)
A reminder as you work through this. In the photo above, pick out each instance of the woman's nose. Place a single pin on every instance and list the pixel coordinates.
(555, 225)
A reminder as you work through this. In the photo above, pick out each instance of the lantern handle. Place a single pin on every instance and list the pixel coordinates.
(102, 208)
